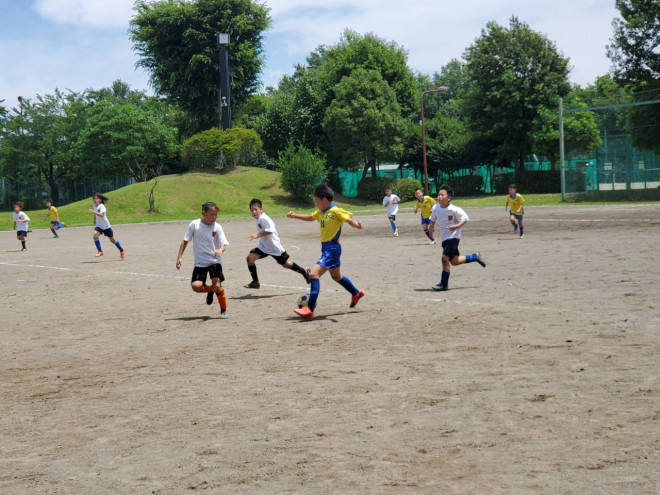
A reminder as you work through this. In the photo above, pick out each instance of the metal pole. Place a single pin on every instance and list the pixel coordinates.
(561, 149)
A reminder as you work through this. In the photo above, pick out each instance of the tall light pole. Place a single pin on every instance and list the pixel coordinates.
(441, 89)
(224, 97)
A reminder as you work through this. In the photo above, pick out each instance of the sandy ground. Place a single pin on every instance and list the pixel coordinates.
(535, 375)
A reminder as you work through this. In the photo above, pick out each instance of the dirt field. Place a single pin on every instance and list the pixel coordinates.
(536, 375)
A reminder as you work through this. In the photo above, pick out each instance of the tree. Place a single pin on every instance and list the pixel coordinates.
(122, 138)
(215, 149)
(635, 53)
(176, 40)
(364, 122)
(302, 170)
(515, 73)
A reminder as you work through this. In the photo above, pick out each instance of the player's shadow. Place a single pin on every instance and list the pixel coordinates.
(324, 317)
(193, 318)
(259, 296)
(99, 261)
(443, 291)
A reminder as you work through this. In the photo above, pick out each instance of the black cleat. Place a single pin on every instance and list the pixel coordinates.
(439, 287)
(479, 260)
(209, 298)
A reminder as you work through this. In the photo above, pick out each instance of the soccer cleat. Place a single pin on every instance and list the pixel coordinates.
(479, 260)
(99, 254)
(432, 241)
(356, 298)
(439, 287)
(122, 254)
(253, 285)
(307, 276)
(209, 298)
(305, 312)
(396, 233)
(224, 315)
(522, 236)
(24, 249)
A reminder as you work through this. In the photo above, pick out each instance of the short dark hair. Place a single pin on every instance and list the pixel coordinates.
(323, 191)
(208, 205)
(19, 203)
(48, 200)
(257, 202)
(447, 189)
(512, 186)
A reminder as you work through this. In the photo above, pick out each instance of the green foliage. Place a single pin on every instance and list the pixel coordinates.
(203, 150)
(467, 185)
(373, 188)
(405, 188)
(302, 170)
(514, 72)
(176, 40)
(539, 182)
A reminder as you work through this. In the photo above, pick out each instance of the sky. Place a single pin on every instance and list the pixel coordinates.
(81, 44)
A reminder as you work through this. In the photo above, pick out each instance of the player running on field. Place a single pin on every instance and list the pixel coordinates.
(54, 217)
(209, 242)
(516, 210)
(450, 219)
(391, 202)
(269, 245)
(20, 223)
(424, 204)
(102, 225)
(331, 218)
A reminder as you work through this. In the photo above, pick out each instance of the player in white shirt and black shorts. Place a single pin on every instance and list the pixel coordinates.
(269, 245)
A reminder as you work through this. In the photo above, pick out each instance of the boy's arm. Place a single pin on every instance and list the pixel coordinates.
(457, 225)
(431, 227)
(298, 216)
(261, 234)
(354, 223)
(179, 257)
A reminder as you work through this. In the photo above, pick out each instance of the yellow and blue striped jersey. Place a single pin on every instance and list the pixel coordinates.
(331, 221)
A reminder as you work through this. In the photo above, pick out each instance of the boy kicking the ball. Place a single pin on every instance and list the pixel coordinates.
(269, 245)
(209, 242)
(450, 219)
(331, 219)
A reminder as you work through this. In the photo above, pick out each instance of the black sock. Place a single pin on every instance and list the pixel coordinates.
(23, 243)
(297, 268)
(253, 271)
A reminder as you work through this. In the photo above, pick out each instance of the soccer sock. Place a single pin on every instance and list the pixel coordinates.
(222, 299)
(521, 230)
(428, 235)
(393, 224)
(23, 243)
(515, 227)
(444, 278)
(297, 268)
(98, 244)
(348, 285)
(206, 288)
(314, 289)
(469, 258)
(253, 271)
(119, 246)
(53, 231)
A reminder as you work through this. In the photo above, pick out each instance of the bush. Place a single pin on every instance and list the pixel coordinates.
(373, 189)
(405, 188)
(202, 151)
(467, 185)
(302, 170)
(540, 182)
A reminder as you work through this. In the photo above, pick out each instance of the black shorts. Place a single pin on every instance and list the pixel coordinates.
(450, 248)
(280, 258)
(105, 232)
(214, 271)
(21, 233)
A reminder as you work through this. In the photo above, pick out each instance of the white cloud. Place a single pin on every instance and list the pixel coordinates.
(97, 13)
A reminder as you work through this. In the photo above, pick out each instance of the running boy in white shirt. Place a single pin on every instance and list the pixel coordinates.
(269, 245)
(391, 202)
(450, 219)
(20, 223)
(209, 242)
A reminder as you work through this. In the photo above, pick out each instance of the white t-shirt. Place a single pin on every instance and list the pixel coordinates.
(102, 222)
(206, 239)
(269, 244)
(19, 218)
(444, 217)
(392, 207)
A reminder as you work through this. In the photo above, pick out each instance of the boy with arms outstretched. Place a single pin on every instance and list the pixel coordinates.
(331, 218)
(209, 242)
(450, 219)
(269, 245)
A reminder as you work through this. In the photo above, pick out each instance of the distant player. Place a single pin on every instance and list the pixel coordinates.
(54, 216)
(102, 225)
(331, 218)
(20, 223)
(424, 204)
(269, 245)
(450, 219)
(516, 211)
(391, 202)
(209, 242)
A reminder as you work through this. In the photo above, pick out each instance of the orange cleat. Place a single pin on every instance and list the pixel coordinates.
(356, 298)
(123, 255)
(305, 312)
(99, 254)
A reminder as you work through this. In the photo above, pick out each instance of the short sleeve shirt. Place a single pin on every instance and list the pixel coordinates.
(331, 221)
(269, 244)
(444, 217)
(102, 222)
(21, 217)
(392, 207)
(52, 214)
(206, 239)
(516, 203)
(426, 205)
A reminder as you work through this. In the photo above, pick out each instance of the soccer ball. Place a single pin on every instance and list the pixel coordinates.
(302, 300)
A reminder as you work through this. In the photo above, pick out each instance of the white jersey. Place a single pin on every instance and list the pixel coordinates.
(206, 239)
(102, 222)
(392, 207)
(444, 217)
(269, 244)
(19, 218)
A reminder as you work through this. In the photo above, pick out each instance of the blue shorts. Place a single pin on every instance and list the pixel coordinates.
(105, 232)
(330, 254)
(426, 221)
(54, 223)
(391, 217)
(21, 233)
(517, 217)
(450, 248)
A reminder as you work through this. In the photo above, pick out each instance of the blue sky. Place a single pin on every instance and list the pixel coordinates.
(80, 44)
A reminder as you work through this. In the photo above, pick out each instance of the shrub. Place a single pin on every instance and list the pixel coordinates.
(202, 151)
(467, 185)
(373, 189)
(302, 170)
(405, 188)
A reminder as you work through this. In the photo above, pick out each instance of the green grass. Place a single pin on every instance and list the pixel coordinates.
(180, 197)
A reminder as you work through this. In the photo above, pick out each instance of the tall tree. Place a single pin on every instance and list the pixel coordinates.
(364, 122)
(176, 40)
(635, 53)
(515, 73)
